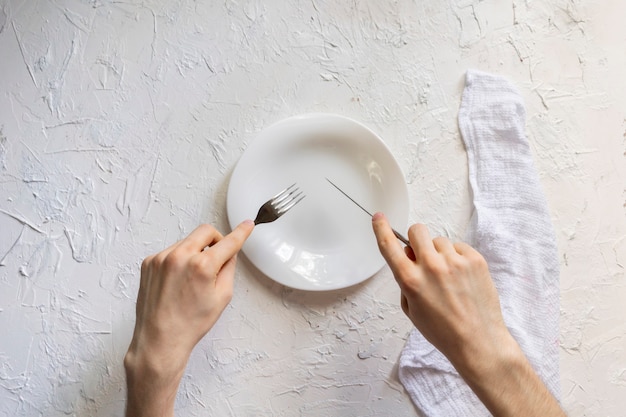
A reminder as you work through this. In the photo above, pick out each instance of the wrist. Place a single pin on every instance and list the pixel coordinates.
(506, 383)
(152, 384)
(496, 362)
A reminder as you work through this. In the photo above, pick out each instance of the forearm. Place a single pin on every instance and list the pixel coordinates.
(508, 386)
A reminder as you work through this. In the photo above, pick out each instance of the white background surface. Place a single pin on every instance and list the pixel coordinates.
(121, 121)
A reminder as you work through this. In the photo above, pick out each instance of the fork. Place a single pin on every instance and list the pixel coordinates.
(280, 204)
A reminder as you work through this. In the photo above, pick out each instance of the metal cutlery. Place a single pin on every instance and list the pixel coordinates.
(278, 205)
(398, 235)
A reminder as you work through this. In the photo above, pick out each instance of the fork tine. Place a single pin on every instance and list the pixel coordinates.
(283, 201)
(289, 206)
(279, 204)
(285, 196)
(286, 190)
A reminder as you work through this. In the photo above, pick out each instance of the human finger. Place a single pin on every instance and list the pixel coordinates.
(201, 237)
(463, 249)
(421, 242)
(228, 247)
(388, 243)
(444, 246)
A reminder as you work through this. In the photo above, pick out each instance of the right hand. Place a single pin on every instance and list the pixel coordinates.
(446, 291)
(448, 294)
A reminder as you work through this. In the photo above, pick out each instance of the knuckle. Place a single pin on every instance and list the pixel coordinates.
(158, 260)
(478, 262)
(458, 265)
(384, 241)
(205, 227)
(210, 229)
(436, 270)
(429, 259)
(435, 266)
(441, 244)
(197, 265)
(145, 264)
(172, 260)
(385, 245)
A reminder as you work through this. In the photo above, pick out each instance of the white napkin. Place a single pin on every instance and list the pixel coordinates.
(511, 228)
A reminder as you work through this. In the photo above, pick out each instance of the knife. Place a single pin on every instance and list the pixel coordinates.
(398, 235)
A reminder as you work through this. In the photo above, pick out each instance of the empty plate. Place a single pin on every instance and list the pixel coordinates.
(325, 242)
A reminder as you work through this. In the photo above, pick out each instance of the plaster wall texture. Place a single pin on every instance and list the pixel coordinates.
(120, 122)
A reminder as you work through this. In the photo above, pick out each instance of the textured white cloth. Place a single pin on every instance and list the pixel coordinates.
(511, 228)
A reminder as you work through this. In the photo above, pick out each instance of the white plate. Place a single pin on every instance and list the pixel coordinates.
(325, 242)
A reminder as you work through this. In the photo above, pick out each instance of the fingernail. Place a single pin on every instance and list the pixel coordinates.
(377, 216)
(248, 222)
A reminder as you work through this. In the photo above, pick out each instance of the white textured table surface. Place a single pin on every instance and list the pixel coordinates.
(120, 122)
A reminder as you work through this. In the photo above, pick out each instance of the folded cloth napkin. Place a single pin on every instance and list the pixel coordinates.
(510, 226)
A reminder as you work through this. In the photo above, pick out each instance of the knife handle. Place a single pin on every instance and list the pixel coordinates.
(401, 238)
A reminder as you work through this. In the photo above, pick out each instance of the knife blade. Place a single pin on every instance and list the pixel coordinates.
(398, 235)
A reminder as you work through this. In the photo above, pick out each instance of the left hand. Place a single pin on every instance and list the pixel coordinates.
(182, 293)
